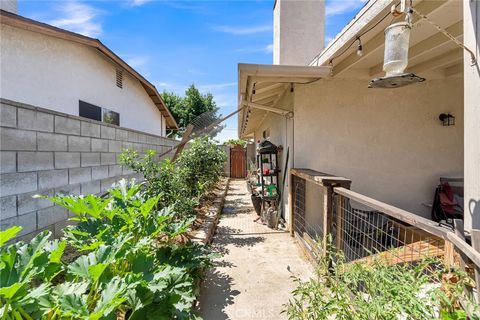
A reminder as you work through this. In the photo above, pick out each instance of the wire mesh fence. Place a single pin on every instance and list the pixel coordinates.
(360, 232)
(365, 234)
(309, 232)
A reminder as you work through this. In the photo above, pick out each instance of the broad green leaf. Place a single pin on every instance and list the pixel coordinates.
(97, 270)
(112, 296)
(138, 298)
(56, 249)
(32, 257)
(16, 289)
(38, 299)
(8, 234)
(67, 288)
(148, 206)
(80, 267)
(9, 273)
(74, 304)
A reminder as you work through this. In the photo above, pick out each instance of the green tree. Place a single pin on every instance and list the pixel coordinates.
(187, 108)
(235, 142)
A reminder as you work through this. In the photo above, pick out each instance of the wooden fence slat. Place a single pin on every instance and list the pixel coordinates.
(448, 258)
(459, 231)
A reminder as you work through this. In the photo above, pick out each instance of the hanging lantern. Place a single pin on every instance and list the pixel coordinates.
(396, 48)
(395, 60)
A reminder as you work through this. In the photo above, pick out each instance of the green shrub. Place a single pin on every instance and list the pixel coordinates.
(162, 179)
(203, 164)
(235, 142)
(361, 291)
(180, 184)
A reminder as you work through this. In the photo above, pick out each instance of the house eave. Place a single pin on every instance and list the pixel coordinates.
(274, 81)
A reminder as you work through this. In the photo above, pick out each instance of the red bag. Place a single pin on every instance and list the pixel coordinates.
(447, 199)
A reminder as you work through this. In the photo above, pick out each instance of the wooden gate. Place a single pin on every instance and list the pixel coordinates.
(238, 162)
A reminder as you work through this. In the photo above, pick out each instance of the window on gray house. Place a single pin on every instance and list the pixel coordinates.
(111, 117)
(91, 111)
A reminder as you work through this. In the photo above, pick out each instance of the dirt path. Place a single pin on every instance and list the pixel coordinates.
(252, 280)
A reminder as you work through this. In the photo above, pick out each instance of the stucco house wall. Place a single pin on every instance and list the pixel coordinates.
(471, 39)
(45, 71)
(390, 143)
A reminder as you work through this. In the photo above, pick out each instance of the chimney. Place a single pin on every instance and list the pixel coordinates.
(298, 31)
(9, 5)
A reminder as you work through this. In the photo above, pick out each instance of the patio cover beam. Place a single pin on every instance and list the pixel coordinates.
(281, 111)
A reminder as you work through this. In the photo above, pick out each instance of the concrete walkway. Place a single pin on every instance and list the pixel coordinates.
(252, 279)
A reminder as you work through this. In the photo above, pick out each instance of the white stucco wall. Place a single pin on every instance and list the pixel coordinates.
(389, 142)
(53, 73)
(471, 36)
(298, 31)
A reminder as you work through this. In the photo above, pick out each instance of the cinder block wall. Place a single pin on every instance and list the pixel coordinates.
(47, 152)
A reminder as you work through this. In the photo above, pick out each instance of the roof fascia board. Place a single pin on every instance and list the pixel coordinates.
(270, 70)
(276, 73)
(17, 21)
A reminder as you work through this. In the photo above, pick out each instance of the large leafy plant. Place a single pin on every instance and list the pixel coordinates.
(21, 266)
(133, 262)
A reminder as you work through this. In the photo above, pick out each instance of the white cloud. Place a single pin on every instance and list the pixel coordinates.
(225, 100)
(196, 72)
(243, 30)
(137, 3)
(169, 86)
(207, 87)
(337, 7)
(134, 61)
(227, 134)
(266, 49)
(78, 17)
(269, 48)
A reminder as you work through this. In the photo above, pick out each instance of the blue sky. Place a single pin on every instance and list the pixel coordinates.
(177, 43)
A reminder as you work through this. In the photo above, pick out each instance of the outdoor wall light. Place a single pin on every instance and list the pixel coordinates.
(447, 119)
